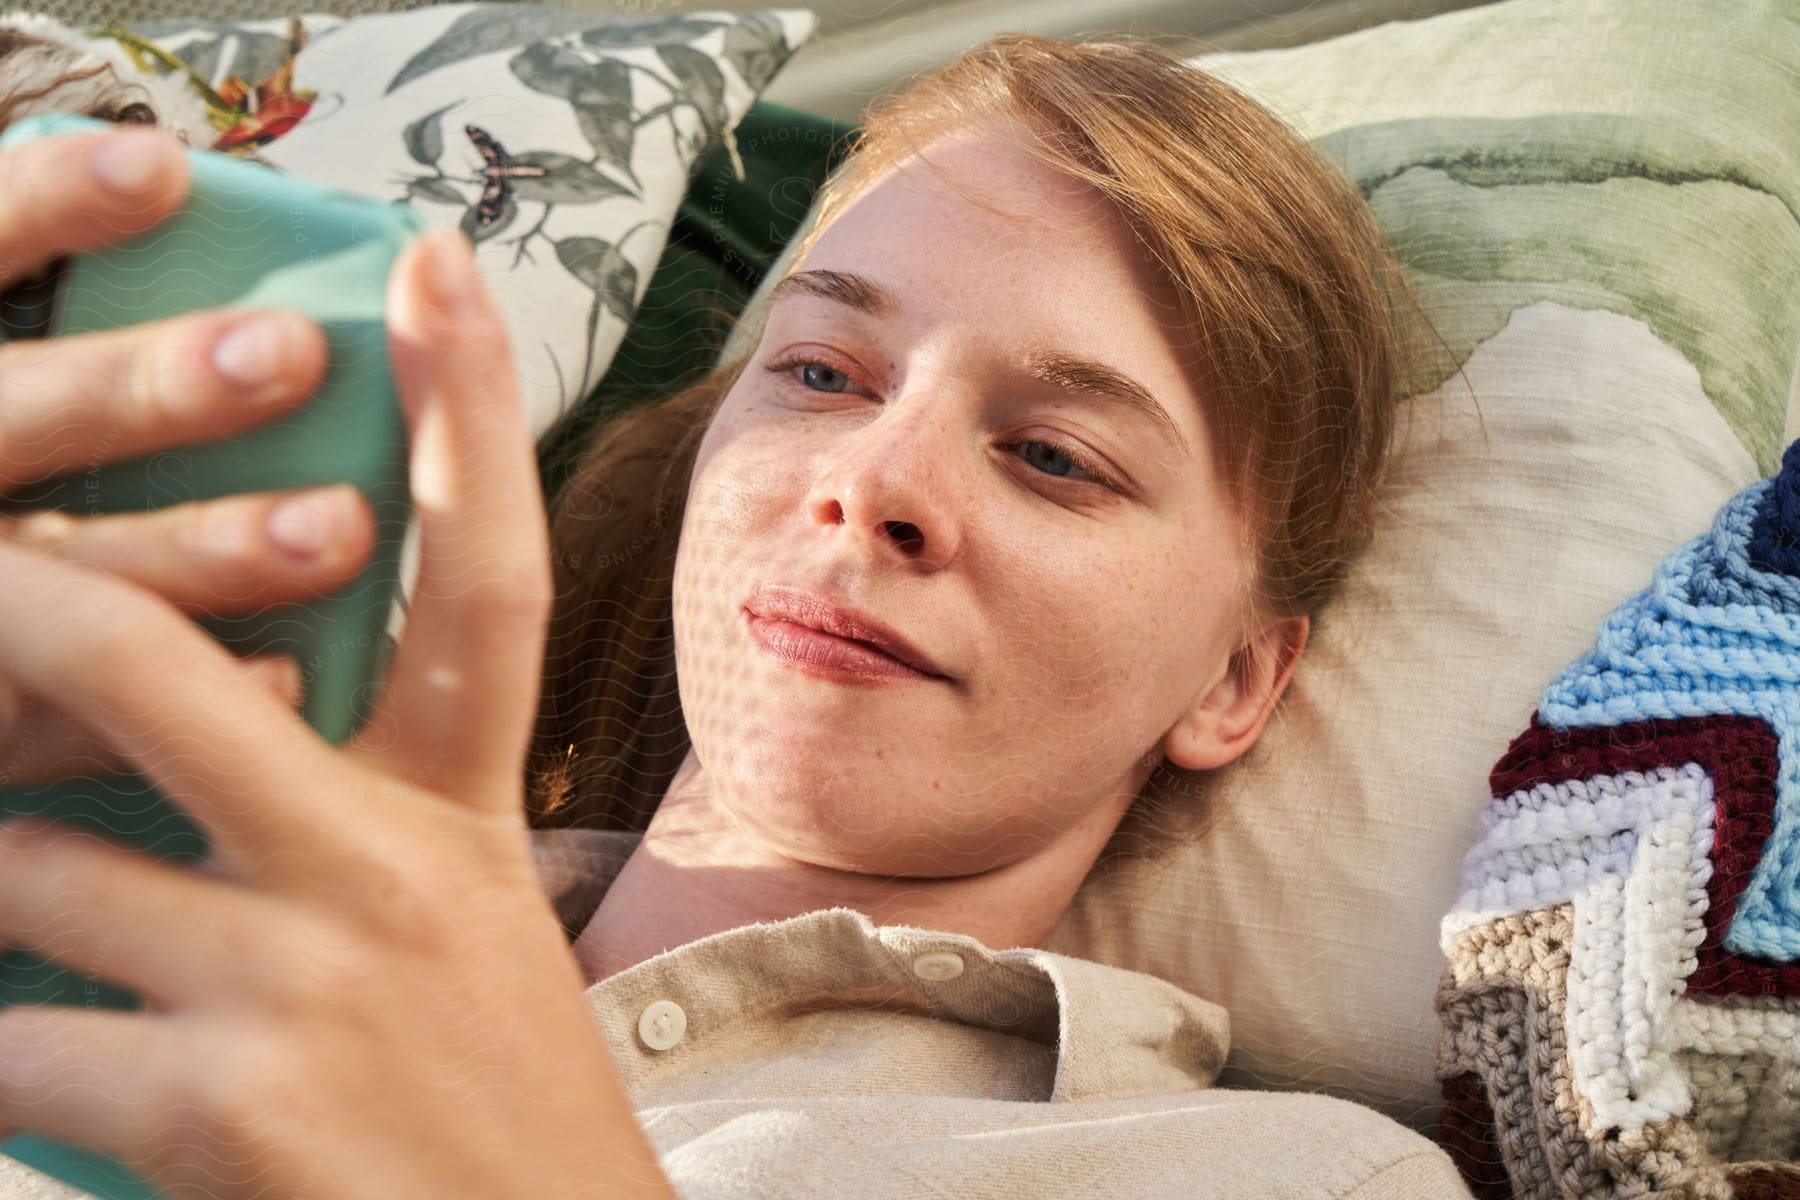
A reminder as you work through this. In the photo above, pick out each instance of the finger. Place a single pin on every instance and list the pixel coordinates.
(137, 1088)
(271, 796)
(99, 907)
(116, 394)
(54, 203)
(39, 744)
(458, 702)
(220, 556)
(95, 1077)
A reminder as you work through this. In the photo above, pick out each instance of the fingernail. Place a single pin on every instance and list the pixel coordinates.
(252, 351)
(450, 273)
(130, 162)
(308, 525)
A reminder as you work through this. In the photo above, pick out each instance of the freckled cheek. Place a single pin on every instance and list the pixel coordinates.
(1054, 647)
(735, 495)
(742, 523)
(1081, 641)
(750, 481)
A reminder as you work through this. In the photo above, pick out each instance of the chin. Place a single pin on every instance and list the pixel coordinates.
(46, 66)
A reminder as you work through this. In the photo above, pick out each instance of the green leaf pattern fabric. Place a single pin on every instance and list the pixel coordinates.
(561, 142)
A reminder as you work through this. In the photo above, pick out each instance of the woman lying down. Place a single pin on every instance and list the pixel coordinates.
(847, 667)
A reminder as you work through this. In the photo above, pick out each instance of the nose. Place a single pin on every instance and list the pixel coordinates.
(887, 487)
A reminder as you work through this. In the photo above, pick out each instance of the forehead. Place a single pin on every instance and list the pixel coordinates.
(981, 188)
(973, 216)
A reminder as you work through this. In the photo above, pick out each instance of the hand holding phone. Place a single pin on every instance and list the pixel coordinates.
(376, 893)
(122, 445)
(106, 396)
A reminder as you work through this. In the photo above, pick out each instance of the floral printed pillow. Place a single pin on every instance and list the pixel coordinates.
(560, 142)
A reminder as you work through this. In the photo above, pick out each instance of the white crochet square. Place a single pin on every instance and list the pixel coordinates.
(1631, 852)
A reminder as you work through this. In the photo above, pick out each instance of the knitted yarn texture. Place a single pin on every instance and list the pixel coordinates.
(1621, 1001)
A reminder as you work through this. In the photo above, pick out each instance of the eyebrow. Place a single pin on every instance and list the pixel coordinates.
(1068, 371)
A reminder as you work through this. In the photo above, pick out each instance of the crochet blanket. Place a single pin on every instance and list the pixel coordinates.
(1621, 1004)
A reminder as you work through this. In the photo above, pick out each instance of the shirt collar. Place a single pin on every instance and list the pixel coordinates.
(1118, 1033)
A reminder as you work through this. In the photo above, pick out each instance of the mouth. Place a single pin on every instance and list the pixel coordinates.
(827, 656)
(820, 636)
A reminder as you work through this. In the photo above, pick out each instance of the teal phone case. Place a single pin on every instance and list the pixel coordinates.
(248, 236)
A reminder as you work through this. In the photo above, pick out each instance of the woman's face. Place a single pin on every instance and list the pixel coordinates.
(972, 425)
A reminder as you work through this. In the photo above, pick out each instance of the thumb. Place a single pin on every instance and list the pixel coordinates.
(438, 304)
(461, 694)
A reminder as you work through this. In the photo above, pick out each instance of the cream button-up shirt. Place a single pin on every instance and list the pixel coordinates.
(825, 1056)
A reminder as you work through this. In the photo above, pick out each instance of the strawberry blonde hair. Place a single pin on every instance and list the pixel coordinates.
(1301, 329)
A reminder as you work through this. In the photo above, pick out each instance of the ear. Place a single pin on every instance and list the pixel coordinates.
(1227, 718)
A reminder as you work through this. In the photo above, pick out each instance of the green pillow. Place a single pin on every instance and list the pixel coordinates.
(1639, 157)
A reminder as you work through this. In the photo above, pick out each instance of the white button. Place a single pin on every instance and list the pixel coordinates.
(662, 1024)
(938, 964)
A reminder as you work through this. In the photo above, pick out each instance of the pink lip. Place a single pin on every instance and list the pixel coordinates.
(827, 655)
(816, 634)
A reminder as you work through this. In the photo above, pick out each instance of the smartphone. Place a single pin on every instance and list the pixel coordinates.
(249, 236)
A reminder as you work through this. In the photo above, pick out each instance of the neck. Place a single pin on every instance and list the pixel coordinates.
(697, 872)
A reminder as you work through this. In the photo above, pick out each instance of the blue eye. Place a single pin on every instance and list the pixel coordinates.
(818, 376)
(1061, 461)
(814, 376)
(1058, 462)
(822, 378)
